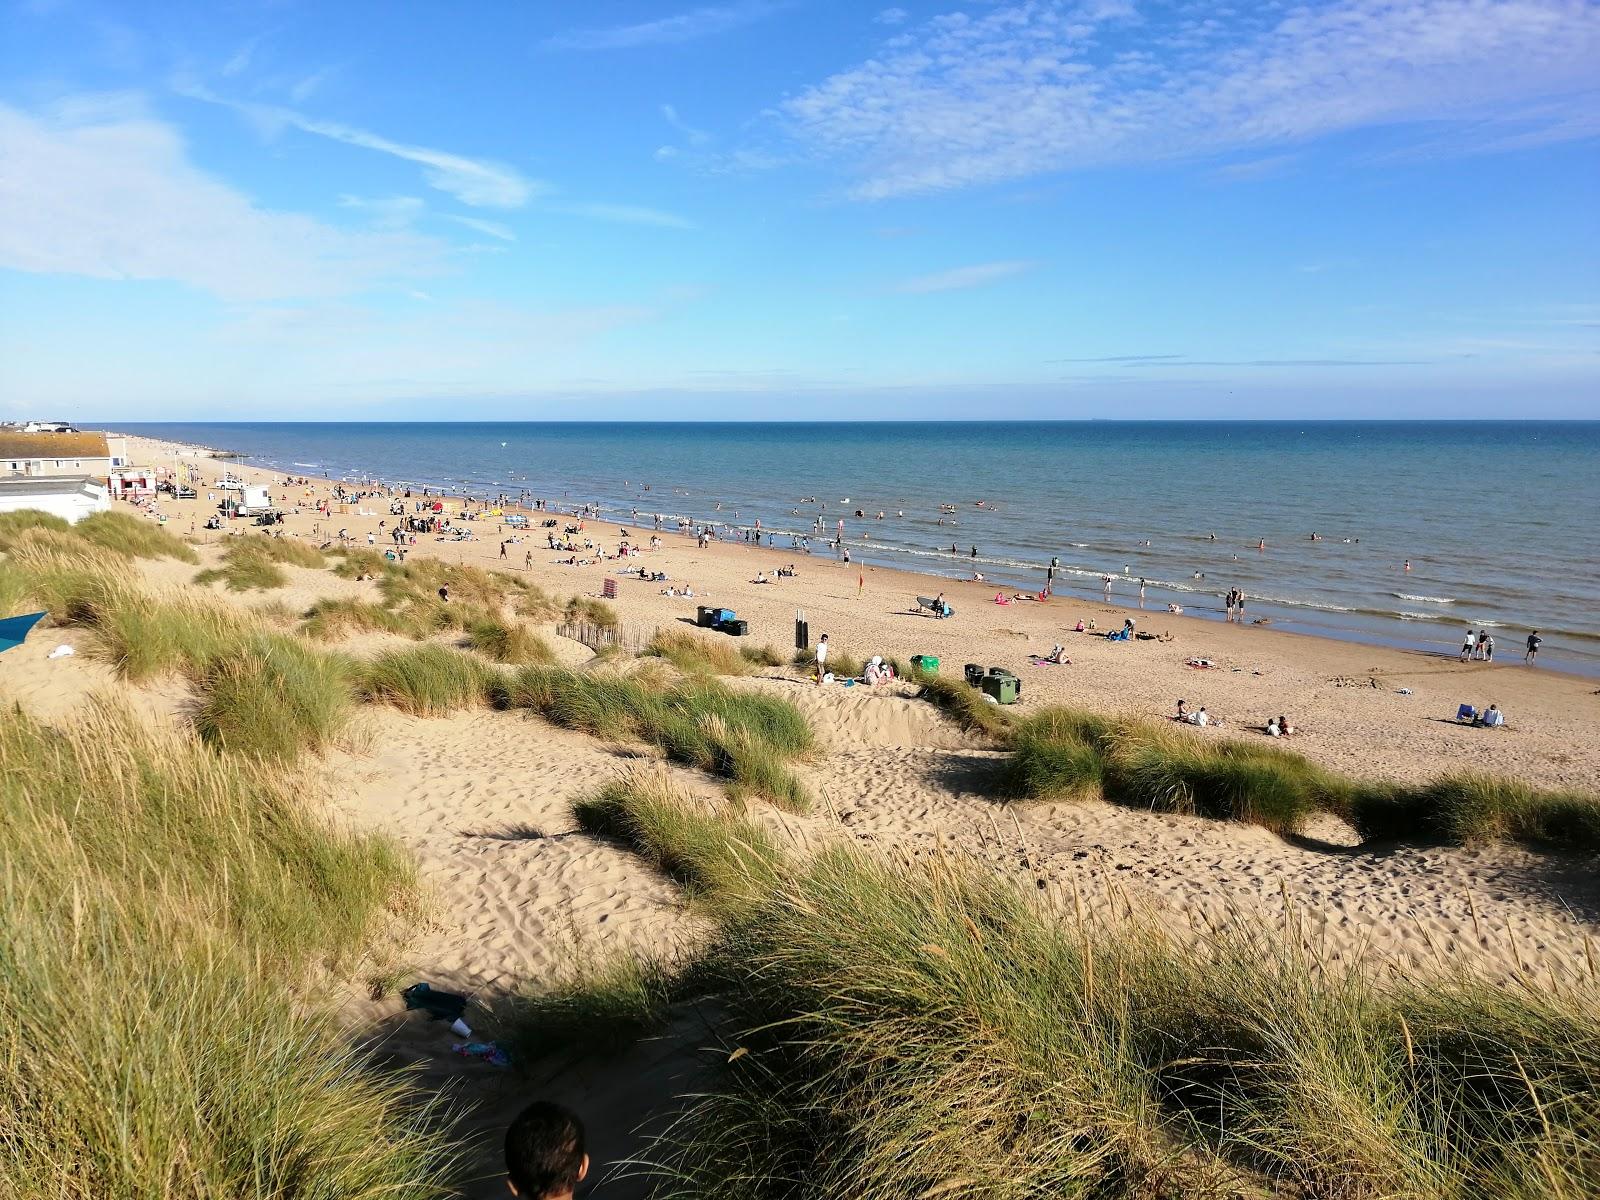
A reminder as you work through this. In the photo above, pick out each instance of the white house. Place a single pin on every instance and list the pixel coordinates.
(71, 497)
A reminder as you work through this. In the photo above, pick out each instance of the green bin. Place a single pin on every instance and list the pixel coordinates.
(924, 664)
(1004, 688)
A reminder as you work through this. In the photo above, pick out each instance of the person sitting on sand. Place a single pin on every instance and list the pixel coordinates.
(1284, 728)
(1183, 711)
(1199, 717)
(761, 577)
(1057, 655)
(977, 577)
(545, 1158)
(1492, 717)
(1001, 598)
(1078, 628)
(875, 673)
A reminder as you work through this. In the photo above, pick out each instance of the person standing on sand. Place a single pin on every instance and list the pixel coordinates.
(1486, 646)
(545, 1157)
(822, 658)
(527, 561)
(1534, 641)
(1468, 644)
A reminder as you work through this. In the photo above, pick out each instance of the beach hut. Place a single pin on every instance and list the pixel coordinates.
(70, 497)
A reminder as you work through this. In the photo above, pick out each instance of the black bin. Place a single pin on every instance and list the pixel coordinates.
(974, 674)
(707, 618)
(736, 628)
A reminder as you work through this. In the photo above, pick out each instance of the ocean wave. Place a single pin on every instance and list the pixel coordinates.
(1423, 599)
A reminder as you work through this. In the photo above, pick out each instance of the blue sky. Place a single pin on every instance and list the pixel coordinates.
(799, 208)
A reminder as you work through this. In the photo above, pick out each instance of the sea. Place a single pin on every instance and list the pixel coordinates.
(1499, 520)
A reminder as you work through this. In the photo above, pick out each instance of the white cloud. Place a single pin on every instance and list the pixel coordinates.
(387, 212)
(477, 182)
(892, 16)
(1053, 85)
(966, 277)
(696, 137)
(628, 214)
(680, 27)
(302, 89)
(102, 190)
(493, 229)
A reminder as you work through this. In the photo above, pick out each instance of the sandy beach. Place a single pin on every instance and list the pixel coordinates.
(518, 892)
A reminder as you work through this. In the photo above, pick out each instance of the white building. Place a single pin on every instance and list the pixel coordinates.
(70, 497)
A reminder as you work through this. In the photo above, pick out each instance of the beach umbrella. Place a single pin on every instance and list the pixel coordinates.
(14, 629)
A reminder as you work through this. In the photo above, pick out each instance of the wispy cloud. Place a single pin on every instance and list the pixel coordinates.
(1120, 358)
(966, 277)
(695, 137)
(478, 182)
(387, 212)
(103, 190)
(892, 16)
(492, 229)
(1183, 360)
(1050, 85)
(628, 214)
(681, 27)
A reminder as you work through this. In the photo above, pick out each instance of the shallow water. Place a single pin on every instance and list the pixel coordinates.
(1497, 518)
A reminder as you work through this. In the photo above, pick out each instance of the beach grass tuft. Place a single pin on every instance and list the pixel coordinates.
(1068, 754)
(761, 656)
(158, 906)
(333, 620)
(965, 705)
(905, 1028)
(747, 738)
(427, 680)
(137, 537)
(591, 611)
(694, 654)
(28, 520)
(507, 641)
(602, 1004)
(715, 853)
(254, 562)
(273, 697)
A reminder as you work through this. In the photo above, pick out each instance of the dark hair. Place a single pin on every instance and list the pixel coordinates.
(544, 1150)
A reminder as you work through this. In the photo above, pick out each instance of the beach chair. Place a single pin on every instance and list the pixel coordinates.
(1466, 713)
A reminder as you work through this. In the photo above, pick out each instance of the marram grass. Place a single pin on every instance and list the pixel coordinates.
(926, 1029)
(1065, 754)
(158, 906)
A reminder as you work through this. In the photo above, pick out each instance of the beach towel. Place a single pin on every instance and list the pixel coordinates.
(13, 630)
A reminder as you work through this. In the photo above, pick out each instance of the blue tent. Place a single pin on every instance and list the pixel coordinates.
(14, 629)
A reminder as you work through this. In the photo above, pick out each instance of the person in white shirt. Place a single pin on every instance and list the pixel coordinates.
(1493, 718)
(822, 657)
(1201, 719)
(1467, 645)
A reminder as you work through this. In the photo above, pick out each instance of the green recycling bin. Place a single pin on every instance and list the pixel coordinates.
(924, 664)
(1004, 688)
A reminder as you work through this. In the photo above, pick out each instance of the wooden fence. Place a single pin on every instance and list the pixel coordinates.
(632, 638)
